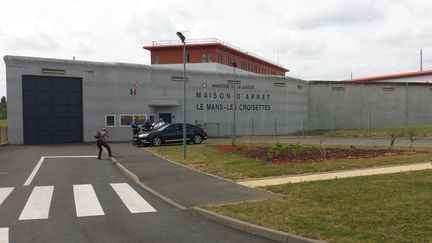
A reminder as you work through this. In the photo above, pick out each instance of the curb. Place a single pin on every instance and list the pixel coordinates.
(218, 218)
(262, 231)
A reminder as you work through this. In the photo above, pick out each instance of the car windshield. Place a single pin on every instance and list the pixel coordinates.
(162, 127)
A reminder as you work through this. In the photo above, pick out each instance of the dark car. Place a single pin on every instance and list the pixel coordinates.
(173, 133)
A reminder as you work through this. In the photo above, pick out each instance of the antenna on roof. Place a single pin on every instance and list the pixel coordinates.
(421, 60)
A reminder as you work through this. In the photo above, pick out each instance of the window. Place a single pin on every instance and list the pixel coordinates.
(204, 57)
(110, 121)
(156, 59)
(338, 88)
(126, 120)
(209, 57)
(279, 84)
(141, 119)
(188, 58)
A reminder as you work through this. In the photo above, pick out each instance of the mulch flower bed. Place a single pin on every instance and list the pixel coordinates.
(292, 154)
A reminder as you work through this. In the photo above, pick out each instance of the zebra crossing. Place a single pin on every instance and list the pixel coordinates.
(86, 201)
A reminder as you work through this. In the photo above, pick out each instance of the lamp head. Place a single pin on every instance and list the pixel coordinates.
(181, 36)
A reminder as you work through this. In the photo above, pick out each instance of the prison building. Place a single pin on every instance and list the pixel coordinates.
(212, 55)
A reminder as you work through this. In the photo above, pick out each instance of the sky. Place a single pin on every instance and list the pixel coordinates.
(316, 40)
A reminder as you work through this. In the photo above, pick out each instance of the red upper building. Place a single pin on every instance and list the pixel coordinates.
(211, 51)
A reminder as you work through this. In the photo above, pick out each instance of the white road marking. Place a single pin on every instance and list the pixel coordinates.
(38, 204)
(41, 160)
(86, 201)
(35, 170)
(4, 235)
(133, 201)
(4, 193)
(70, 157)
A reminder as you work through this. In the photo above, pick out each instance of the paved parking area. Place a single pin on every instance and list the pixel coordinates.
(63, 193)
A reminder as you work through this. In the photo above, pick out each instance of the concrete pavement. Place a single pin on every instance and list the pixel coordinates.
(269, 181)
(184, 186)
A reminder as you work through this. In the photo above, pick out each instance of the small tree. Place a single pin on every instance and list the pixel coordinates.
(3, 108)
(412, 138)
(393, 138)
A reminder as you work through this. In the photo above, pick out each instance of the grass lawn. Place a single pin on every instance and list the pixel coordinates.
(3, 122)
(418, 131)
(239, 167)
(381, 208)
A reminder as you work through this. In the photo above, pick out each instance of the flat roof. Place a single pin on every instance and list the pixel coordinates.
(390, 76)
(210, 42)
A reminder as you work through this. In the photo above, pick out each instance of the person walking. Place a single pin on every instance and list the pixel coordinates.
(100, 142)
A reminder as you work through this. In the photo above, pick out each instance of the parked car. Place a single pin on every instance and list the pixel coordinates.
(171, 133)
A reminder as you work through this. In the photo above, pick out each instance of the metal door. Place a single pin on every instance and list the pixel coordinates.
(52, 109)
(166, 117)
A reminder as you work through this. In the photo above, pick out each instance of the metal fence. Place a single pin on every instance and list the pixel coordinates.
(3, 134)
(368, 126)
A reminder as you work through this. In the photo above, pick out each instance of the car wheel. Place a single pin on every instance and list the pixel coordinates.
(197, 139)
(156, 141)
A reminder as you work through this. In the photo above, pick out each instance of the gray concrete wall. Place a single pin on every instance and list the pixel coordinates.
(106, 90)
(376, 104)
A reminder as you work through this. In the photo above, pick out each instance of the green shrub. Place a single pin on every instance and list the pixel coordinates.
(276, 151)
(296, 149)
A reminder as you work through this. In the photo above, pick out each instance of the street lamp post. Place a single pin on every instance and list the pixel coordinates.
(234, 108)
(183, 40)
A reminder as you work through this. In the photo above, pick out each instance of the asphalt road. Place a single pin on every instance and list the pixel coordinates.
(82, 199)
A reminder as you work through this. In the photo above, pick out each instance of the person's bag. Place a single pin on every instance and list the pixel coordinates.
(98, 135)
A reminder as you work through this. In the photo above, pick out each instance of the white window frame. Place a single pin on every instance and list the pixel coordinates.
(106, 122)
